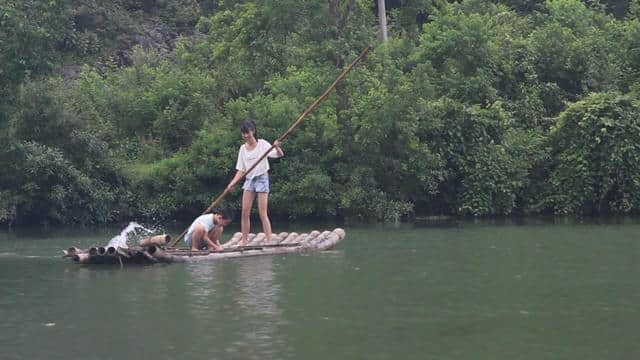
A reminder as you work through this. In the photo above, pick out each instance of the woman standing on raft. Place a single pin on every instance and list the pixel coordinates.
(257, 181)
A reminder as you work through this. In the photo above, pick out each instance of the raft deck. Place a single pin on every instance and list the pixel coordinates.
(152, 251)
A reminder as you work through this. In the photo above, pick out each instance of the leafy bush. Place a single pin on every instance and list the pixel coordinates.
(596, 167)
(61, 170)
(53, 190)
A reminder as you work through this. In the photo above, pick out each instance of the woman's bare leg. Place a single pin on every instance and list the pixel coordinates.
(245, 220)
(263, 201)
(196, 236)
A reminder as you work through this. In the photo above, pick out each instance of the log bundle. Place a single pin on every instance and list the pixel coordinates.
(151, 250)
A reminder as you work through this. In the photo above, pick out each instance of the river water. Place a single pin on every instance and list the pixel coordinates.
(528, 289)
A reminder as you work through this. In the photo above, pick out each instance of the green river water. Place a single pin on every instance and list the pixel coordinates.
(531, 289)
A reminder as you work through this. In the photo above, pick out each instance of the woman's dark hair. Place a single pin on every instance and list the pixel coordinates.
(226, 213)
(248, 126)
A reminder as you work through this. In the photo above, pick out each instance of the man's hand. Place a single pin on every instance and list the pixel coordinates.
(276, 144)
(216, 246)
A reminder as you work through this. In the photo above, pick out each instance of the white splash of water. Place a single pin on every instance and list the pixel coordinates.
(121, 240)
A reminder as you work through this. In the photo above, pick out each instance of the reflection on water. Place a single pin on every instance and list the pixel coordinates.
(257, 304)
(238, 291)
(201, 282)
(258, 290)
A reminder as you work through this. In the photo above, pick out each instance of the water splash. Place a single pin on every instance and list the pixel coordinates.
(130, 230)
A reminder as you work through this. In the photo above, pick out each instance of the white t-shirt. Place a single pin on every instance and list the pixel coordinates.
(246, 158)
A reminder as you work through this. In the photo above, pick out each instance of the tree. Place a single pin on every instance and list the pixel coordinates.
(28, 44)
(596, 166)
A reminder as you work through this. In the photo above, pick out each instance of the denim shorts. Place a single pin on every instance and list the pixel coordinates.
(258, 184)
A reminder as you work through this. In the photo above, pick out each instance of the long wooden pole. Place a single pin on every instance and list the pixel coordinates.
(286, 133)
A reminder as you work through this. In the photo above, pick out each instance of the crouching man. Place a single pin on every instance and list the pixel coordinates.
(205, 231)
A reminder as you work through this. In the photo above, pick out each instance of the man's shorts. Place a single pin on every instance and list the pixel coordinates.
(187, 239)
(259, 184)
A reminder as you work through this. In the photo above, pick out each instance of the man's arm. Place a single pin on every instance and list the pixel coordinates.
(217, 234)
(211, 244)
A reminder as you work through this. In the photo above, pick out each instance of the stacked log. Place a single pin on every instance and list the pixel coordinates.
(151, 250)
(159, 240)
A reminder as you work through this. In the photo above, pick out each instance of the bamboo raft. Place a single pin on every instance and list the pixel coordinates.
(152, 250)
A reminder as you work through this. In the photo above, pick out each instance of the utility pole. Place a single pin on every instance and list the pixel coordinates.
(382, 16)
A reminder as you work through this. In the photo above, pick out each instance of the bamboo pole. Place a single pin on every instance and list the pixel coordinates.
(159, 240)
(257, 240)
(318, 239)
(335, 237)
(234, 240)
(295, 124)
(279, 238)
(290, 238)
(82, 258)
(302, 238)
(123, 253)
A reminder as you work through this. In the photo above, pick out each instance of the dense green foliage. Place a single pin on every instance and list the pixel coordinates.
(472, 108)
